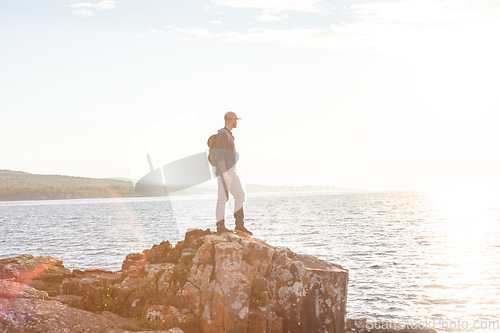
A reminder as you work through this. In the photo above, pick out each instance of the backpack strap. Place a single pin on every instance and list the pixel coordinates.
(230, 137)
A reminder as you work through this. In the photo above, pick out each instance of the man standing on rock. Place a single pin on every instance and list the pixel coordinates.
(227, 178)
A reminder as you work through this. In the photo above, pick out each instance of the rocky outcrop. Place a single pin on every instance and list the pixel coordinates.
(25, 309)
(205, 283)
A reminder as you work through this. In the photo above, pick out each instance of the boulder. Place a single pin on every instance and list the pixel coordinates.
(309, 294)
(24, 309)
(205, 283)
(135, 263)
(12, 290)
(13, 268)
(163, 253)
(26, 268)
(95, 287)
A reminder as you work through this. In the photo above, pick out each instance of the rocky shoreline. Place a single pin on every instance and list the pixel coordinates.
(205, 283)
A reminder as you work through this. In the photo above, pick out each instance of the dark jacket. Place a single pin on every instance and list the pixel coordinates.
(225, 149)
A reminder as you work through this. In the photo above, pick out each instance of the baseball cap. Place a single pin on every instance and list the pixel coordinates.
(231, 115)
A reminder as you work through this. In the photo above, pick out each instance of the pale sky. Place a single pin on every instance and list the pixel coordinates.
(365, 94)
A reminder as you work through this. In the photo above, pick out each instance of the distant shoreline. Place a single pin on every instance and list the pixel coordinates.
(23, 186)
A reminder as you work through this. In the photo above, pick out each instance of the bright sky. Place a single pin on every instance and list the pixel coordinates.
(364, 94)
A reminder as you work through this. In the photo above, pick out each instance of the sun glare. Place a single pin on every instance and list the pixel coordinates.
(466, 231)
(466, 204)
(467, 224)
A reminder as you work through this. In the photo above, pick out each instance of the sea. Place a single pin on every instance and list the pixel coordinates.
(418, 258)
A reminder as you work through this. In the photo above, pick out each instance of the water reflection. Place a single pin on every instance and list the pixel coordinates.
(410, 255)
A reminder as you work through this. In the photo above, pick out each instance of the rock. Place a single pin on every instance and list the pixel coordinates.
(165, 293)
(264, 320)
(134, 264)
(308, 294)
(52, 288)
(160, 316)
(24, 309)
(186, 297)
(128, 298)
(71, 300)
(163, 253)
(175, 330)
(194, 238)
(12, 290)
(48, 269)
(95, 286)
(26, 268)
(12, 268)
(206, 283)
(124, 323)
(43, 272)
(257, 321)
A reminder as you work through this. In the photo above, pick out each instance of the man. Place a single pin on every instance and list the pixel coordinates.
(227, 178)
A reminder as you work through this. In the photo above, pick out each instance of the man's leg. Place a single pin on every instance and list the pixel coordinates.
(222, 197)
(239, 198)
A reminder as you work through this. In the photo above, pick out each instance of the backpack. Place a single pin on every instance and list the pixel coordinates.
(211, 147)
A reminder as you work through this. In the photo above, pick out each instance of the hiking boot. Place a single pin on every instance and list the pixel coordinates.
(222, 228)
(243, 229)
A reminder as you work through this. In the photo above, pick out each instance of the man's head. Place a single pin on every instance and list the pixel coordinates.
(231, 120)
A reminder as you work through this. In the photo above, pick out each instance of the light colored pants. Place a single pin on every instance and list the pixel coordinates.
(234, 187)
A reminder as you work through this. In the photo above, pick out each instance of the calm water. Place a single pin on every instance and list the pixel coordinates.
(410, 255)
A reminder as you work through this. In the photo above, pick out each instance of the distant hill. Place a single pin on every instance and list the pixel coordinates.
(18, 185)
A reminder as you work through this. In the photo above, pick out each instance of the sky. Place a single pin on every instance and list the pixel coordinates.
(394, 94)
